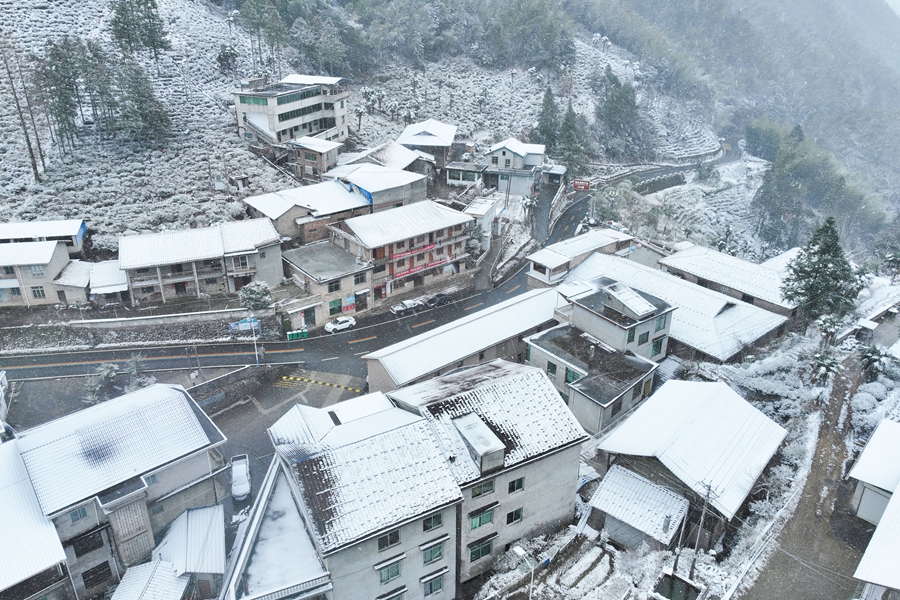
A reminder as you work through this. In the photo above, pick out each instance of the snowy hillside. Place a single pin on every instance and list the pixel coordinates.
(118, 187)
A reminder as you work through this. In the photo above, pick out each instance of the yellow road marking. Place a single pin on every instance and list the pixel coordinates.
(423, 323)
(365, 339)
(473, 306)
(512, 289)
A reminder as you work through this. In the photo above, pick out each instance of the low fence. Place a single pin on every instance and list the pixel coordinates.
(232, 314)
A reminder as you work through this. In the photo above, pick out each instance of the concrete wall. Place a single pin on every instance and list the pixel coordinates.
(43, 282)
(163, 512)
(77, 565)
(352, 569)
(268, 265)
(617, 336)
(405, 194)
(547, 501)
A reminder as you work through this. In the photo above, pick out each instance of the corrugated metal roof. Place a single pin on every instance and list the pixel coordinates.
(320, 199)
(155, 580)
(80, 455)
(730, 271)
(879, 463)
(195, 541)
(404, 222)
(448, 344)
(713, 323)
(312, 80)
(75, 274)
(517, 402)
(30, 542)
(428, 133)
(640, 503)
(107, 277)
(40, 229)
(882, 555)
(706, 434)
(26, 253)
(187, 245)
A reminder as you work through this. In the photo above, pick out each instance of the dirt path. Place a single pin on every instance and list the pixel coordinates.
(809, 562)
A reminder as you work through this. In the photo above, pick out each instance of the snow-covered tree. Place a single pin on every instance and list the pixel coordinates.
(569, 146)
(256, 295)
(548, 120)
(820, 280)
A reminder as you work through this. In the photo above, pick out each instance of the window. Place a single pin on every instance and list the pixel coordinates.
(517, 485)
(483, 488)
(514, 516)
(420, 257)
(551, 369)
(393, 596)
(630, 335)
(15, 291)
(262, 254)
(481, 355)
(657, 346)
(616, 407)
(240, 262)
(400, 244)
(253, 100)
(142, 271)
(482, 518)
(504, 177)
(401, 262)
(38, 292)
(388, 540)
(157, 509)
(297, 96)
(433, 553)
(571, 375)
(310, 156)
(9, 270)
(359, 278)
(643, 338)
(87, 543)
(210, 281)
(480, 551)
(334, 285)
(433, 586)
(390, 572)
(506, 163)
(96, 575)
(432, 522)
(495, 160)
(334, 307)
(151, 479)
(636, 392)
(661, 321)
(299, 112)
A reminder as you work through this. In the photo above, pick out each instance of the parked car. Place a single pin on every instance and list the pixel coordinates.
(439, 300)
(240, 477)
(340, 324)
(407, 306)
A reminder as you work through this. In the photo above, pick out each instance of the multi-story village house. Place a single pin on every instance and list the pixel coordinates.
(27, 271)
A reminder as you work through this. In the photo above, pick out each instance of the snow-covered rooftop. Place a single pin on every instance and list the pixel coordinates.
(311, 80)
(448, 344)
(713, 323)
(40, 229)
(779, 263)
(882, 555)
(430, 133)
(30, 543)
(706, 434)
(323, 260)
(562, 252)
(195, 541)
(155, 580)
(75, 274)
(350, 472)
(516, 402)
(26, 253)
(395, 156)
(75, 457)
(517, 147)
(315, 144)
(404, 222)
(879, 463)
(749, 278)
(481, 205)
(187, 245)
(107, 277)
(373, 178)
(649, 508)
(320, 199)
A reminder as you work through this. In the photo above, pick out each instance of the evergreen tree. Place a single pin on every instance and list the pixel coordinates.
(256, 295)
(548, 120)
(820, 280)
(153, 34)
(56, 75)
(99, 85)
(136, 24)
(569, 147)
(142, 115)
(623, 132)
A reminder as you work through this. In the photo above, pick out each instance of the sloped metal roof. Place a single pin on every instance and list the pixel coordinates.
(41, 229)
(155, 580)
(428, 133)
(882, 555)
(879, 463)
(195, 541)
(75, 274)
(404, 222)
(26, 253)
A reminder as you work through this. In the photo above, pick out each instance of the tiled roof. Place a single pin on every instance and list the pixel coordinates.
(404, 222)
(80, 455)
(30, 542)
(713, 323)
(195, 541)
(540, 422)
(187, 245)
(706, 434)
(155, 580)
(448, 344)
(649, 508)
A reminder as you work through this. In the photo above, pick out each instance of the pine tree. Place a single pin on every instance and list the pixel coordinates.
(548, 120)
(820, 280)
(136, 24)
(153, 34)
(142, 115)
(569, 146)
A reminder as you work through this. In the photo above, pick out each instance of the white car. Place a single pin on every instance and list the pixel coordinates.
(340, 324)
(406, 306)
(240, 477)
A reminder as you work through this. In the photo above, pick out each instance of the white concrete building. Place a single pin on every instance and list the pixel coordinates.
(382, 187)
(430, 136)
(71, 232)
(28, 270)
(550, 265)
(514, 167)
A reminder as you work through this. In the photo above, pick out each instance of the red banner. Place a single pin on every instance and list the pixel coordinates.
(409, 271)
(582, 185)
(408, 252)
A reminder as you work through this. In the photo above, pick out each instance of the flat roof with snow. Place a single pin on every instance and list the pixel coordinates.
(429, 352)
(94, 450)
(188, 245)
(403, 222)
(30, 542)
(540, 423)
(715, 324)
(706, 434)
(758, 281)
(314, 144)
(26, 253)
(311, 80)
(430, 133)
(879, 463)
(323, 260)
(649, 508)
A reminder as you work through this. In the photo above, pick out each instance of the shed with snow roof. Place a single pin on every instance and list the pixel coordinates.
(551, 264)
(877, 472)
(157, 580)
(430, 136)
(195, 544)
(312, 156)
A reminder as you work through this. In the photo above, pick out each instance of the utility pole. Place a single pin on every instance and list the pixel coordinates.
(699, 531)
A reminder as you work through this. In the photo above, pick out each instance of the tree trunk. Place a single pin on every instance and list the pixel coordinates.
(15, 95)
(37, 137)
